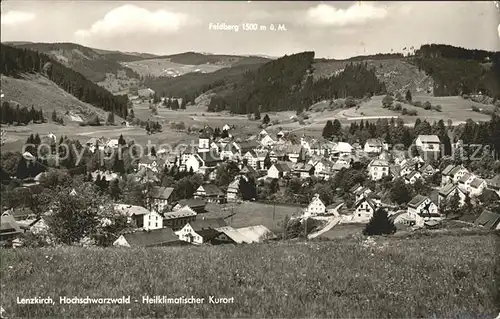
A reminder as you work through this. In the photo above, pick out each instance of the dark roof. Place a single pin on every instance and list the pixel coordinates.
(417, 201)
(161, 192)
(211, 189)
(448, 169)
(211, 223)
(476, 182)
(447, 189)
(208, 234)
(209, 157)
(192, 202)
(248, 145)
(155, 237)
(488, 220)
(282, 167)
(494, 182)
(20, 213)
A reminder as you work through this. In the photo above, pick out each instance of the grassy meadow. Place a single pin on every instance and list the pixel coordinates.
(252, 213)
(426, 277)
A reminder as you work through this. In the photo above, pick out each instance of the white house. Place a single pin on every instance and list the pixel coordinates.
(378, 169)
(159, 197)
(202, 161)
(452, 174)
(343, 149)
(465, 181)
(316, 207)
(477, 187)
(421, 209)
(413, 177)
(150, 163)
(364, 209)
(142, 217)
(278, 170)
(226, 127)
(373, 146)
(201, 231)
(267, 141)
(448, 191)
(428, 143)
(204, 143)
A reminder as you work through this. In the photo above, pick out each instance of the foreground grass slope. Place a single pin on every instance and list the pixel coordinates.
(444, 277)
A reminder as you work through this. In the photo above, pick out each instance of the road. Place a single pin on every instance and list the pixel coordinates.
(331, 223)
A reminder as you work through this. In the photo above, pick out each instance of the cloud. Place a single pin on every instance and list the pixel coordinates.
(357, 14)
(130, 19)
(12, 18)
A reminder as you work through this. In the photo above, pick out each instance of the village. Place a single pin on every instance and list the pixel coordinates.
(268, 161)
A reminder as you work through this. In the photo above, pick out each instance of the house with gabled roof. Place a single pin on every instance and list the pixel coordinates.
(428, 143)
(201, 162)
(254, 158)
(477, 187)
(196, 204)
(152, 163)
(464, 181)
(201, 231)
(373, 146)
(159, 197)
(427, 170)
(139, 216)
(412, 177)
(411, 164)
(316, 207)
(179, 218)
(293, 152)
(488, 220)
(145, 175)
(279, 170)
(303, 170)
(421, 209)
(152, 238)
(342, 149)
(322, 167)
(378, 169)
(494, 184)
(361, 192)
(267, 141)
(448, 191)
(210, 193)
(364, 209)
(244, 235)
(453, 173)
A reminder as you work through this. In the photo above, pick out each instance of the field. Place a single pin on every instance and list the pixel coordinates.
(453, 107)
(394, 278)
(16, 136)
(251, 214)
(165, 67)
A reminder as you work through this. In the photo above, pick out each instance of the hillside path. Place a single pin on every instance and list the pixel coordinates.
(333, 221)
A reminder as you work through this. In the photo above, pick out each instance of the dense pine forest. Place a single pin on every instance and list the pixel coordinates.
(459, 71)
(15, 61)
(287, 84)
(17, 114)
(191, 85)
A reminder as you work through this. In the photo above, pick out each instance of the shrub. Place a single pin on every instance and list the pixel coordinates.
(379, 224)
(417, 104)
(437, 108)
(475, 109)
(397, 107)
(412, 112)
(427, 105)
(404, 111)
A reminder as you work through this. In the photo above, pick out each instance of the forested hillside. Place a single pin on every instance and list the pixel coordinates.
(459, 71)
(15, 61)
(287, 84)
(92, 63)
(191, 85)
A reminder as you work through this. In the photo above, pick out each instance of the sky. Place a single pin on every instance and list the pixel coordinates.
(331, 29)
